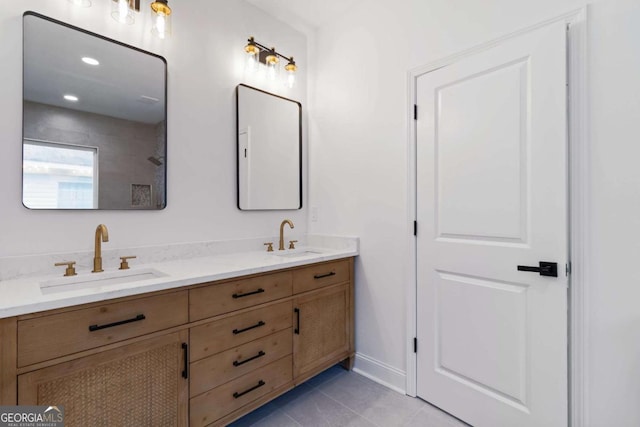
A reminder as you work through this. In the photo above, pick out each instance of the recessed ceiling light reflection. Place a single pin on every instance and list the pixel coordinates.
(81, 3)
(90, 61)
(71, 98)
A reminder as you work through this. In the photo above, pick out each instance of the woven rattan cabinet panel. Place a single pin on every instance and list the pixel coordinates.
(322, 328)
(139, 384)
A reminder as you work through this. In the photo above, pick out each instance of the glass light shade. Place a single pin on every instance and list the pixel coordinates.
(272, 70)
(271, 61)
(290, 70)
(251, 63)
(161, 18)
(81, 3)
(291, 79)
(121, 12)
(252, 58)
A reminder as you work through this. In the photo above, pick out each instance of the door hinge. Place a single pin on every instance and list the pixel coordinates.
(415, 345)
(415, 111)
(415, 228)
(567, 269)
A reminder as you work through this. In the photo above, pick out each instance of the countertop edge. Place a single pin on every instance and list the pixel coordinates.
(159, 284)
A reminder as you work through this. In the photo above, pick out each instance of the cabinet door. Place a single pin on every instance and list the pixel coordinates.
(322, 328)
(139, 384)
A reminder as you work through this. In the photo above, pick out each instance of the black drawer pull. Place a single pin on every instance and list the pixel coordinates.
(322, 276)
(138, 318)
(297, 329)
(260, 384)
(236, 296)
(185, 350)
(260, 354)
(257, 325)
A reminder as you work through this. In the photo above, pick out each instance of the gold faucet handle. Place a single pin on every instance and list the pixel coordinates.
(292, 244)
(269, 246)
(70, 270)
(124, 265)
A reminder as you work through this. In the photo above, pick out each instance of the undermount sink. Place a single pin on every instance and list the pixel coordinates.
(65, 284)
(297, 254)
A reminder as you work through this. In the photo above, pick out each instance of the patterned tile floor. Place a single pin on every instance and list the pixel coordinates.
(340, 398)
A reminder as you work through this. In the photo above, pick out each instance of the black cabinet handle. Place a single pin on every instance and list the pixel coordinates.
(297, 329)
(322, 276)
(236, 296)
(260, 354)
(549, 269)
(260, 384)
(138, 318)
(257, 325)
(185, 351)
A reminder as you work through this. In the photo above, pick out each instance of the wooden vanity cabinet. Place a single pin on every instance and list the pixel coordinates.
(112, 363)
(323, 316)
(138, 384)
(204, 355)
(322, 330)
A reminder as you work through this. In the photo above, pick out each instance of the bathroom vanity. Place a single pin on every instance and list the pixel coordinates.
(194, 354)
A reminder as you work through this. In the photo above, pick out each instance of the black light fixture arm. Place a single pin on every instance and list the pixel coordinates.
(251, 40)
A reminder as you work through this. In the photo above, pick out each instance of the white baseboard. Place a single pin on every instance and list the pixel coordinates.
(381, 373)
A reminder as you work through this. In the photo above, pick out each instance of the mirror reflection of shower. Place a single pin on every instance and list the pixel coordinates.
(158, 161)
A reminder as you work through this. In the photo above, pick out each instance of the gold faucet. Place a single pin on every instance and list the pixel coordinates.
(286, 221)
(102, 235)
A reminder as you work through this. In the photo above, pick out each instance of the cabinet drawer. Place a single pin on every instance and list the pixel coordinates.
(223, 334)
(215, 404)
(218, 299)
(209, 373)
(317, 276)
(48, 337)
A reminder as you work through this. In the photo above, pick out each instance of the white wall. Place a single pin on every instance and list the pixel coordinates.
(204, 58)
(358, 164)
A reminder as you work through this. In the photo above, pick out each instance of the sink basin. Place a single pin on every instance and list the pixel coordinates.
(297, 254)
(94, 280)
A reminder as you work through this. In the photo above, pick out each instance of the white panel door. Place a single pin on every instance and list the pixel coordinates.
(492, 195)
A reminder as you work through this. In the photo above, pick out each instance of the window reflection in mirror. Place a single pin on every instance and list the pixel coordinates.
(59, 176)
(269, 151)
(84, 93)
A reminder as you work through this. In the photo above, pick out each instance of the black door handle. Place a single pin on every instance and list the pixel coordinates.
(185, 351)
(297, 329)
(549, 269)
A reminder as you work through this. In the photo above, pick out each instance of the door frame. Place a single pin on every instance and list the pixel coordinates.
(579, 202)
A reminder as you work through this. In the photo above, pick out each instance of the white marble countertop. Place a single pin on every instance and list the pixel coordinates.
(24, 295)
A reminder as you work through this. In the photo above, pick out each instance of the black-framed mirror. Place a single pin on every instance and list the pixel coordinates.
(94, 120)
(269, 137)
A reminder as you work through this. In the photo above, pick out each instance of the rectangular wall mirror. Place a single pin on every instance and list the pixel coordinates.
(94, 120)
(269, 150)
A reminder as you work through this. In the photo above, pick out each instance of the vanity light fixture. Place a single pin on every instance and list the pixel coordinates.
(260, 54)
(71, 98)
(122, 10)
(90, 61)
(161, 18)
